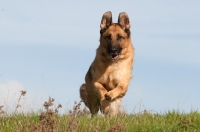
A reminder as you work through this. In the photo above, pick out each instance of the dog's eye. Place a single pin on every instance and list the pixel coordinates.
(119, 37)
(108, 37)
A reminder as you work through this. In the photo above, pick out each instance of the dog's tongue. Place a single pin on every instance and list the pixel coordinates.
(114, 56)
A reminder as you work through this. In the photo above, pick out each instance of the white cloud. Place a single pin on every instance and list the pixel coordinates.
(9, 91)
(10, 94)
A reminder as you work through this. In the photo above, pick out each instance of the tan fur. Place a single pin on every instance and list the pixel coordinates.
(107, 81)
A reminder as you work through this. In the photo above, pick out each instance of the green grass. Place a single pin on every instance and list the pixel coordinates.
(145, 122)
(79, 120)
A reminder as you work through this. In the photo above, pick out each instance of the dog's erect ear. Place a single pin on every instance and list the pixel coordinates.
(123, 21)
(106, 20)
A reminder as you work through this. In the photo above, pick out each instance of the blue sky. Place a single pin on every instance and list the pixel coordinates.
(46, 47)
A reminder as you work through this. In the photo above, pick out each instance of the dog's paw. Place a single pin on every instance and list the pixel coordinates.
(108, 96)
(105, 106)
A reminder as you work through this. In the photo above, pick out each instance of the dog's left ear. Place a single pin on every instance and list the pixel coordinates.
(123, 21)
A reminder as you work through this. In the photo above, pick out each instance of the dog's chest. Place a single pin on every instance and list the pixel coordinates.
(112, 77)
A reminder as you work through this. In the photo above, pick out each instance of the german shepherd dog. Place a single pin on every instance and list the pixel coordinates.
(108, 77)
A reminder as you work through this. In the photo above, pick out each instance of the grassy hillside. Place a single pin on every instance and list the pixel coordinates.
(79, 120)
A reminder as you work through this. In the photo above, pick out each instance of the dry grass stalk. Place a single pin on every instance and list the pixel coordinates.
(73, 124)
(2, 112)
(77, 111)
(117, 127)
(23, 93)
(47, 120)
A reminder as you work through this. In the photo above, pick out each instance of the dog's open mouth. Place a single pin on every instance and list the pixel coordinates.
(114, 57)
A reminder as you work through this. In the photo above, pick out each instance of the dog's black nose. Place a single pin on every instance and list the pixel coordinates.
(116, 49)
(113, 50)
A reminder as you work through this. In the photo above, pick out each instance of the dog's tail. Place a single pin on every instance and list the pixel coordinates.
(83, 93)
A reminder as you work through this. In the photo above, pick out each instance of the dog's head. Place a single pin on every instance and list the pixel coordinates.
(115, 37)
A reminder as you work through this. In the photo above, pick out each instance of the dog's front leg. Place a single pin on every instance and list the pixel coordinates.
(119, 91)
(101, 92)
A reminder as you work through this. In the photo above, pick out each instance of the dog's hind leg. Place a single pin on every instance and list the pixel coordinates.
(89, 99)
(114, 107)
(83, 93)
(93, 104)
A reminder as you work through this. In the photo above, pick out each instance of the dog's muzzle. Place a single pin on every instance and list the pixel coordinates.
(114, 51)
